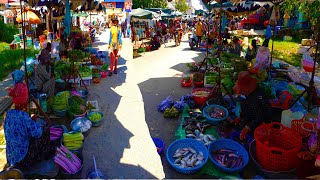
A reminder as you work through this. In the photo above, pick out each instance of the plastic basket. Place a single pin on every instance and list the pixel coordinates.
(210, 120)
(277, 147)
(219, 101)
(185, 83)
(268, 174)
(304, 128)
(184, 143)
(232, 145)
(159, 144)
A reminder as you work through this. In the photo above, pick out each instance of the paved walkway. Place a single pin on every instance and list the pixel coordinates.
(122, 145)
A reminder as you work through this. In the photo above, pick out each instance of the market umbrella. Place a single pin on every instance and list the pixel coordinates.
(29, 16)
(143, 14)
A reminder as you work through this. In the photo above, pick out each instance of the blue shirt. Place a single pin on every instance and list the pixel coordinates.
(268, 32)
(19, 128)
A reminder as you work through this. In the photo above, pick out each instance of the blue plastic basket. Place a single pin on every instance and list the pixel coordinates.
(232, 145)
(159, 144)
(214, 121)
(184, 143)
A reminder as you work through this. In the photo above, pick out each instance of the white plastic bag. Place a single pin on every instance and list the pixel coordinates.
(287, 116)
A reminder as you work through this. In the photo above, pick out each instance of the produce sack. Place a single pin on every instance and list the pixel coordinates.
(165, 104)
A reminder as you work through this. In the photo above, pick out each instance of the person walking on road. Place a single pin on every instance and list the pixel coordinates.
(199, 32)
(115, 43)
(124, 28)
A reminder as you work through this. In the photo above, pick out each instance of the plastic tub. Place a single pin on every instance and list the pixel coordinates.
(104, 74)
(185, 83)
(77, 123)
(232, 145)
(210, 120)
(184, 143)
(96, 123)
(159, 144)
(221, 102)
(62, 113)
(200, 100)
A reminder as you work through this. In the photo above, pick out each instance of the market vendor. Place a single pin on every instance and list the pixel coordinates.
(115, 44)
(44, 75)
(27, 140)
(255, 108)
(235, 47)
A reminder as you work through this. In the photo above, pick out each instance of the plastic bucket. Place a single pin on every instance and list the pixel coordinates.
(104, 74)
(159, 144)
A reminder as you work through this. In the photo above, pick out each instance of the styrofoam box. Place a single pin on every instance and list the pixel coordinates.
(94, 104)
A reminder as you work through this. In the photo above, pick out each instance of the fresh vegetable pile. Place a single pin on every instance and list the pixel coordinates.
(68, 161)
(76, 55)
(188, 157)
(55, 133)
(227, 158)
(60, 101)
(95, 117)
(95, 60)
(104, 67)
(76, 105)
(73, 141)
(171, 113)
(85, 71)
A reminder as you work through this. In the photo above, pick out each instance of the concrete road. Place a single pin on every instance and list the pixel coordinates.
(122, 145)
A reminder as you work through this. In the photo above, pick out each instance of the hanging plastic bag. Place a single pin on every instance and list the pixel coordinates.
(313, 142)
(179, 106)
(167, 103)
(287, 116)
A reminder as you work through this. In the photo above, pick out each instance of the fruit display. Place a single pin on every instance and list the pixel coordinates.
(67, 161)
(60, 101)
(85, 71)
(73, 141)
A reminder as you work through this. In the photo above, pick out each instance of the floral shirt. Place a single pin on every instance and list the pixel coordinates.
(19, 128)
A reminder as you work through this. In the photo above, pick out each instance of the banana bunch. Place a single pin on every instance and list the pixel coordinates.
(73, 141)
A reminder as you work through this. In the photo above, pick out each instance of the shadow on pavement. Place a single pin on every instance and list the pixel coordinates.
(109, 141)
(153, 92)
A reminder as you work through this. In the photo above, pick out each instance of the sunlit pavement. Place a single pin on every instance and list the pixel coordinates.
(122, 145)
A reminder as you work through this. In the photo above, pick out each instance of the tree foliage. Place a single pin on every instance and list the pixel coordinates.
(182, 6)
(7, 32)
(310, 9)
(149, 4)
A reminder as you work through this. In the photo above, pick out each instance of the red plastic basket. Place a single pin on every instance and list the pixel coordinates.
(200, 100)
(304, 128)
(277, 147)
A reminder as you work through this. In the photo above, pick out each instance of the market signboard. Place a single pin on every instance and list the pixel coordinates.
(110, 5)
(127, 6)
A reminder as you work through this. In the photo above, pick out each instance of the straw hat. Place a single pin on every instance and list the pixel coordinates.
(245, 84)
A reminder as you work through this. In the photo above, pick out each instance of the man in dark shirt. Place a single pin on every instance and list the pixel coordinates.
(255, 108)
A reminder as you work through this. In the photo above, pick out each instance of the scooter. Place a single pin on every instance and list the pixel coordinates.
(192, 40)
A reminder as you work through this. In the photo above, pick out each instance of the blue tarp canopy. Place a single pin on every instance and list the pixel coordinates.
(114, 0)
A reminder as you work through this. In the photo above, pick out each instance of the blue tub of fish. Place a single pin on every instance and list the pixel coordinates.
(228, 155)
(215, 113)
(187, 156)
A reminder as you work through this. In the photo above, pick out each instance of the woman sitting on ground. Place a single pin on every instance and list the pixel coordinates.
(27, 140)
(44, 77)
